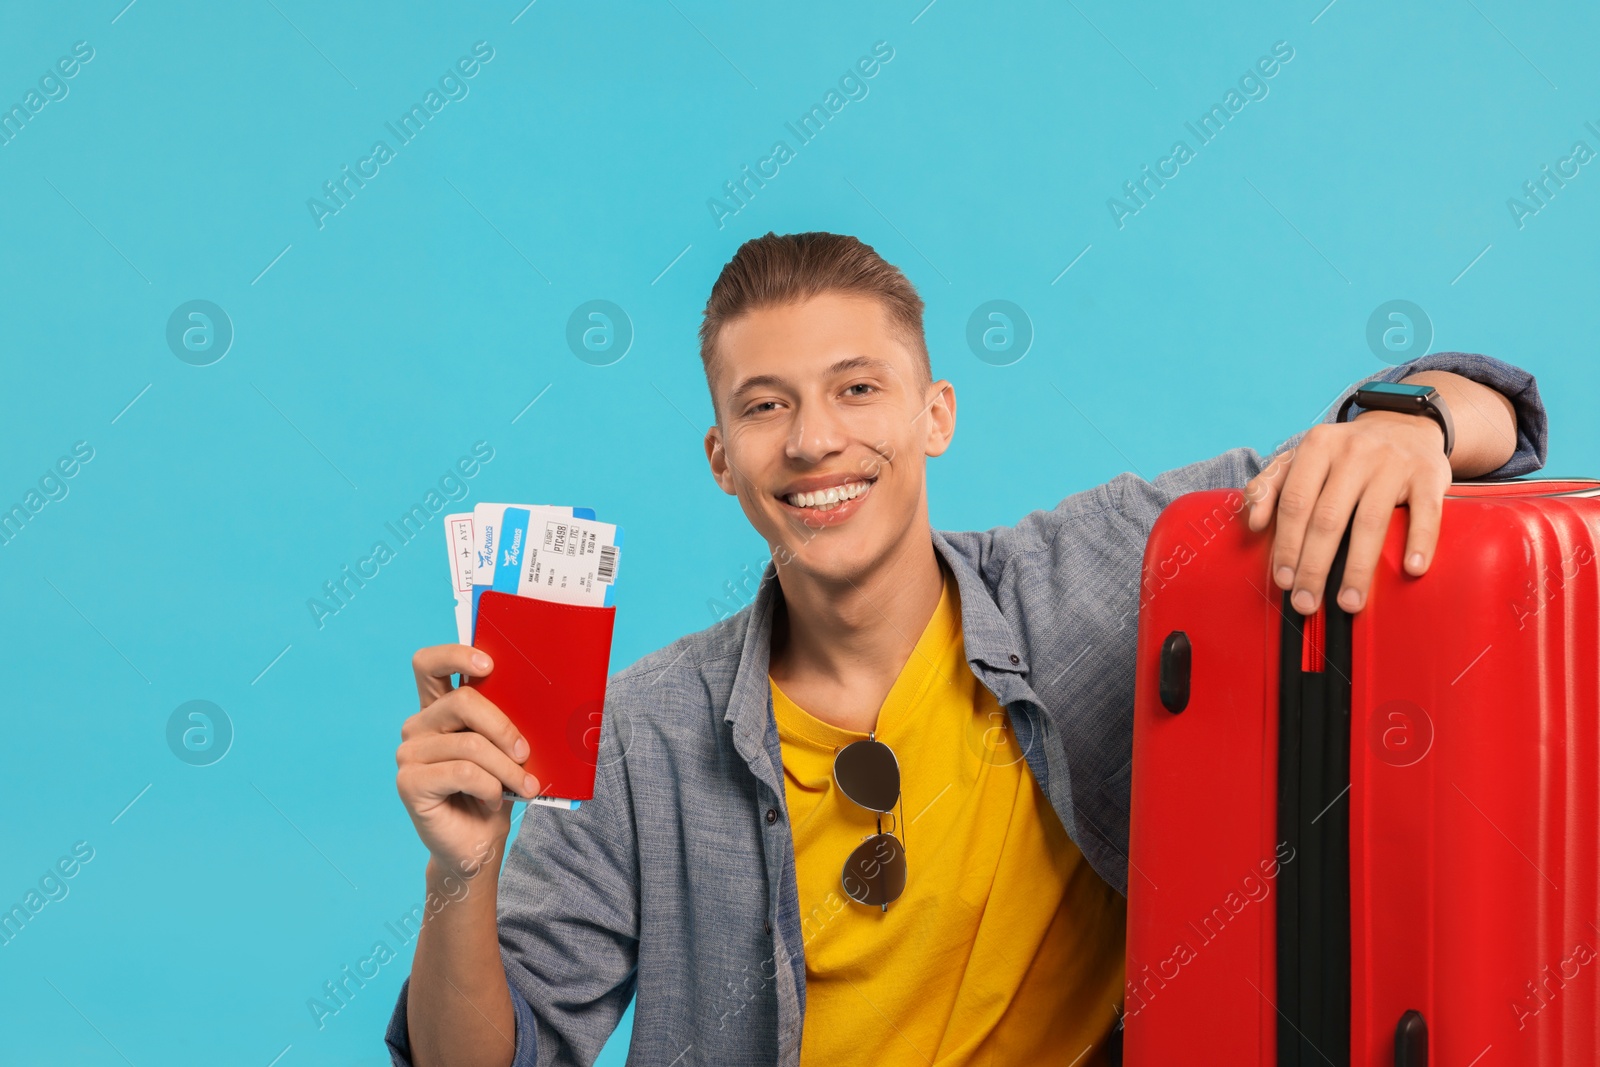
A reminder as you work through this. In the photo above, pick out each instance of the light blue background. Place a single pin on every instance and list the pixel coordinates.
(377, 350)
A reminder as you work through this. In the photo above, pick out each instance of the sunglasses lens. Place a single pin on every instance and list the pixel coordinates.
(868, 774)
(875, 873)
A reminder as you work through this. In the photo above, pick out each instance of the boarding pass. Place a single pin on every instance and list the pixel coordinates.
(560, 554)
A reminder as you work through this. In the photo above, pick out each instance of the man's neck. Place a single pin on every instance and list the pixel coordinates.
(837, 647)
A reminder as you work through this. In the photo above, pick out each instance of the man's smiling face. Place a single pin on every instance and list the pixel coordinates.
(824, 427)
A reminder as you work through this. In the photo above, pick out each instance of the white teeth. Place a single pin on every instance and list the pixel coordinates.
(826, 499)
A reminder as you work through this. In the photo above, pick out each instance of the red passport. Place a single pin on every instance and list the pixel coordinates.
(549, 677)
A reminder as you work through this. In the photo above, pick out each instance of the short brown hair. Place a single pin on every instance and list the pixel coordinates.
(780, 269)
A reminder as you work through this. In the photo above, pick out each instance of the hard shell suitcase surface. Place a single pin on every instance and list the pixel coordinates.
(1370, 839)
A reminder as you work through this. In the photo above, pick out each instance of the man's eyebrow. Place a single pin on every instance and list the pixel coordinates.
(860, 363)
(757, 381)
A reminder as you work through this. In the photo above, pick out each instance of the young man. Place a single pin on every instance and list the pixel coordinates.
(724, 873)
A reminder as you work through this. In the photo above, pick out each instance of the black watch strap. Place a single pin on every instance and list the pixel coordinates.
(1416, 402)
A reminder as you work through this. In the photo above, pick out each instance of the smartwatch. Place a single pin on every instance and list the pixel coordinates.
(1411, 399)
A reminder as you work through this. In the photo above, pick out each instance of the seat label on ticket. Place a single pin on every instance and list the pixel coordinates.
(573, 561)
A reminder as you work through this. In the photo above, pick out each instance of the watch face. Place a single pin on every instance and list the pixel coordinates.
(1396, 389)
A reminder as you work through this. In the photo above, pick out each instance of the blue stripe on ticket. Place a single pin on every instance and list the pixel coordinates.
(513, 543)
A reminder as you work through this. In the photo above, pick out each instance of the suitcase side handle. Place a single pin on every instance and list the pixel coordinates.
(1174, 671)
(1411, 1040)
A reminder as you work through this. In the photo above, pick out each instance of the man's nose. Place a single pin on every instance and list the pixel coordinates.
(815, 433)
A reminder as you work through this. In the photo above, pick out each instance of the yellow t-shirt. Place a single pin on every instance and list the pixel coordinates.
(1006, 947)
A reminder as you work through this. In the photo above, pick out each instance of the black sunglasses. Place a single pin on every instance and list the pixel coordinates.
(868, 774)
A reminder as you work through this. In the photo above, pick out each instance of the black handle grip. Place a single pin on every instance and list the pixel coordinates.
(1411, 1041)
(1174, 671)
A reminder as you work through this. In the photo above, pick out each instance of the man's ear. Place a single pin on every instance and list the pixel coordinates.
(940, 414)
(720, 469)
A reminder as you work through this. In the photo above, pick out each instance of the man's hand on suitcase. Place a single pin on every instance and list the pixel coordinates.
(1365, 467)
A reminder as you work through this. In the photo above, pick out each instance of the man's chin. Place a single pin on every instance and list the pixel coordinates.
(831, 557)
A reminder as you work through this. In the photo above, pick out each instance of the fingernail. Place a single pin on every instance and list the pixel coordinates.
(519, 751)
(1285, 576)
(1349, 599)
(1415, 562)
(1302, 601)
(530, 785)
(480, 662)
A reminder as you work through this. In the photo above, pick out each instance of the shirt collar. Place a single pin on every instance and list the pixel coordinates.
(991, 645)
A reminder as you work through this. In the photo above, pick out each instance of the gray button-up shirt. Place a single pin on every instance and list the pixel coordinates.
(676, 883)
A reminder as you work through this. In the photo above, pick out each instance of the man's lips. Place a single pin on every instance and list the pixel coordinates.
(824, 490)
(829, 514)
(819, 482)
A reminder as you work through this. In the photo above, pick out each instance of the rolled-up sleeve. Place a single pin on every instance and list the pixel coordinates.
(1141, 501)
(568, 918)
(398, 1038)
(1513, 383)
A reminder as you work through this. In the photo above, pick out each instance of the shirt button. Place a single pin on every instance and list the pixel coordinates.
(772, 815)
(1015, 659)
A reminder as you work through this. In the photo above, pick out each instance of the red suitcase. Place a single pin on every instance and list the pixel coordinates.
(1370, 839)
